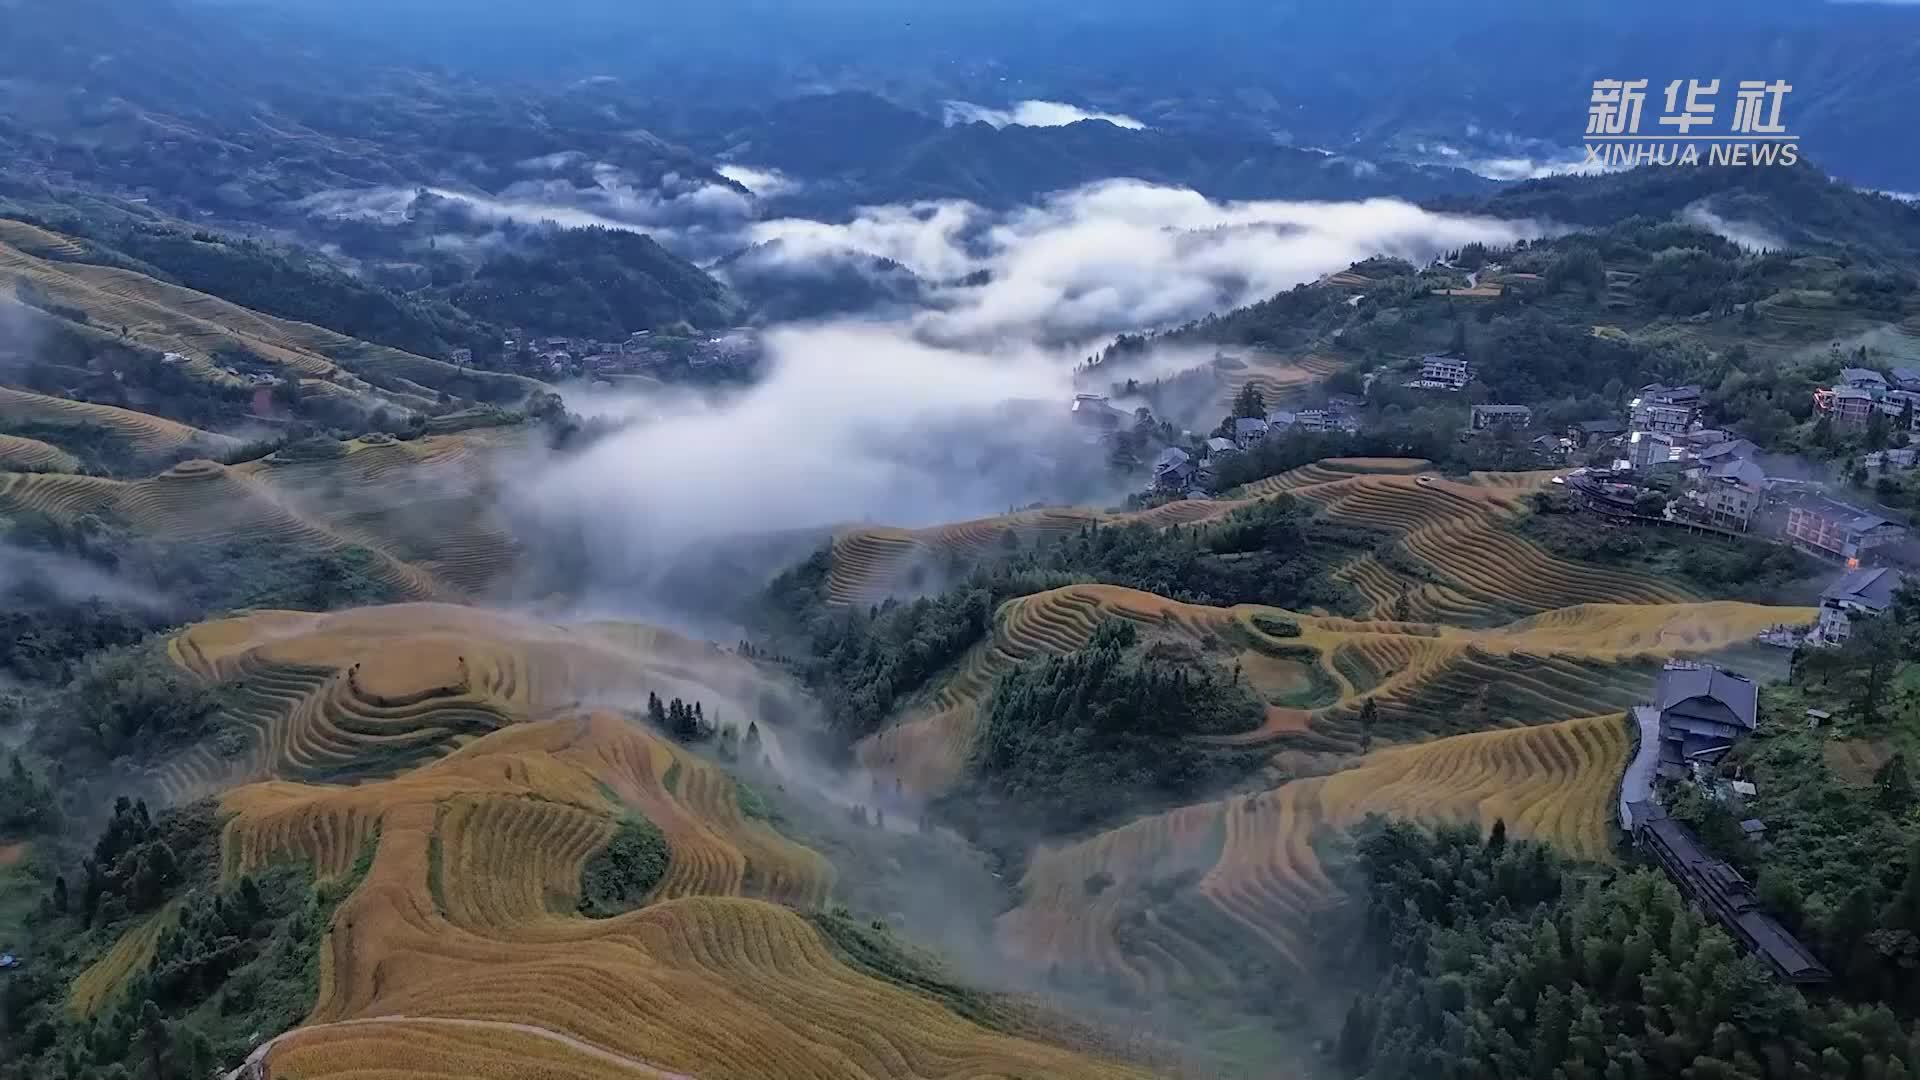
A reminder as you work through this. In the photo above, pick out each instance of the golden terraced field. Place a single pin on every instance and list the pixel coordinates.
(460, 746)
(32, 455)
(1247, 863)
(369, 691)
(132, 953)
(147, 435)
(1274, 374)
(491, 974)
(486, 783)
(422, 509)
(170, 318)
(1522, 661)
(1566, 663)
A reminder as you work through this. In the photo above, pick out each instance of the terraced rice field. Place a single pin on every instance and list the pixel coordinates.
(371, 691)
(202, 502)
(1250, 859)
(927, 751)
(1425, 678)
(870, 563)
(490, 973)
(1275, 374)
(1457, 530)
(104, 978)
(873, 562)
(147, 435)
(423, 510)
(37, 241)
(170, 318)
(1348, 279)
(429, 502)
(31, 455)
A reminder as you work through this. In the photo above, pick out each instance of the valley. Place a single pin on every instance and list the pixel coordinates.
(838, 543)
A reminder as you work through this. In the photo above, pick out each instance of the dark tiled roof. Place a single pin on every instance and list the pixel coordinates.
(1728, 897)
(1853, 517)
(1679, 685)
(1662, 393)
(1735, 448)
(1171, 458)
(1743, 472)
(1871, 587)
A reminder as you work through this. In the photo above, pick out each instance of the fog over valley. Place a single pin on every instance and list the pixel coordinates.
(867, 540)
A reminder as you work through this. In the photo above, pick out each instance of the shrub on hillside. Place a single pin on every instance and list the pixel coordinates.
(619, 876)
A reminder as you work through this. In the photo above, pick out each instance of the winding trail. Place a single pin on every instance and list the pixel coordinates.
(255, 1065)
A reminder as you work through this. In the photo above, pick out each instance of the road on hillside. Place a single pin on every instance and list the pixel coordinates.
(255, 1065)
(1637, 783)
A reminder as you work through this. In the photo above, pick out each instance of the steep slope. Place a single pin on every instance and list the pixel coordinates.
(1188, 892)
(371, 691)
(460, 951)
(1423, 678)
(148, 436)
(135, 309)
(423, 510)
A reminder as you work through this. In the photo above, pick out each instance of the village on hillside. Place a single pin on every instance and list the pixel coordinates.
(646, 353)
(1656, 464)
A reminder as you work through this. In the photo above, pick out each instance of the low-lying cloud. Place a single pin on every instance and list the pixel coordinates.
(694, 212)
(1033, 113)
(1121, 255)
(30, 576)
(1511, 160)
(958, 408)
(764, 183)
(1749, 235)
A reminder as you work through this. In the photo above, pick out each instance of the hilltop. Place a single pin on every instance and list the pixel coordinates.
(1798, 207)
(125, 371)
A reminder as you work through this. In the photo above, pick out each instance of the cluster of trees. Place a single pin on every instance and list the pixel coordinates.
(620, 875)
(1739, 568)
(1802, 204)
(684, 721)
(236, 962)
(129, 700)
(1841, 862)
(293, 284)
(1494, 959)
(26, 801)
(139, 863)
(1070, 742)
(593, 282)
(40, 649)
(1862, 667)
(783, 289)
(865, 662)
(129, 584)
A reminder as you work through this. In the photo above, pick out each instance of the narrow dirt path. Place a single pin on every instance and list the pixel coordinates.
(255, 1064)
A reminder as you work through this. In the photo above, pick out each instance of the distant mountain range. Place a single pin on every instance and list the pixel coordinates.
(223, 117)
(1490, 78)
(857, 148)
